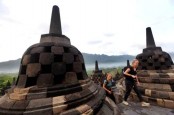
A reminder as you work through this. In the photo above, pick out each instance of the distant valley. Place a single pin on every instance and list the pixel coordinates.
(105, 61)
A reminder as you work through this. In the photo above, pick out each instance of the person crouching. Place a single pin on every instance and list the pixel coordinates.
(107, 86)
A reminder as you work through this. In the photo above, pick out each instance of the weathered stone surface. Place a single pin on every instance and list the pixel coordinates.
(148, 92)
(16, 96)
(58, 68)
(57, 50)
(81, 58)
(26, 59)
(55, 25)
(118, 98)
(46, 58)
(74, 50)
(38, 96)
(135, 108)
(68, 58)
(169, 103)
(45, 80)
(77, 67)
(36, 103)
(7, 104)
(22, 81)
(37, 50)
(70, 77)
(33, 69)
(58, 109)
(20, 104)
(21, 90)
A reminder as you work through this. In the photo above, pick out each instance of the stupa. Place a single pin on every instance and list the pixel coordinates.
(156, 74)
(153, 58)
(52, 80)
(97, 75)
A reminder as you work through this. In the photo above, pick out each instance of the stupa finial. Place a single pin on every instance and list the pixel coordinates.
(96, 66)
(128, 64)
(150, 42)
(55, 25)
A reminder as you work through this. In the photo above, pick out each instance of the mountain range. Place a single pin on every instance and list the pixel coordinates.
(13, 65)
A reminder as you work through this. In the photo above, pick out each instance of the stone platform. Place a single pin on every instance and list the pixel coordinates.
(135, 108)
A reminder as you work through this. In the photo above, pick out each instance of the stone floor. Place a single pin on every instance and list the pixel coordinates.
(135, 109)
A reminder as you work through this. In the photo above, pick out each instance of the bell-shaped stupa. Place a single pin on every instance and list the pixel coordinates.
(156, 74)
(153, 58)
(52, 80)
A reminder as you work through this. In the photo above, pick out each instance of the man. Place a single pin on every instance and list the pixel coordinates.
(131, 81)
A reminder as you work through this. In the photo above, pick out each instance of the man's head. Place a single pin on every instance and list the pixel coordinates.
(135, 63)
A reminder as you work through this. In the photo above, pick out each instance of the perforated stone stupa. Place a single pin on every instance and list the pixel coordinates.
(52, 80)
(153, 58)
(156, 74)
(97, 75)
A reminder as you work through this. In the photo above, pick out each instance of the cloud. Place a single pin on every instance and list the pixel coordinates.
(109, 34)
(3, 9)
(138, 46)
(113, 28)
(95, 42)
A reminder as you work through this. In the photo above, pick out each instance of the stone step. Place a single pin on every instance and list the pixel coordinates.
(157, 75)
(158, 87)
(156, 71)
(156, 80)
(157, 94)
(156, 101)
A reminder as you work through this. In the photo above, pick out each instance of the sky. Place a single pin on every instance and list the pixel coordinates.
(112, 27)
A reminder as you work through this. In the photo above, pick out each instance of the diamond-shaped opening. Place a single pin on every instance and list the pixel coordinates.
(31, 81)
(144, 60)
(140, 57)
(58, 79)
(23, 69)
(144, 68)
(157, 67)
(80, 76)
(76, 58)
(83, 67)
(34, 58)
(150, 64)
(166, 59)
(66, 49)
(160, 55)
(58, 58)
(155, 60)
(69, 67)
(47, 49)
(45, 68)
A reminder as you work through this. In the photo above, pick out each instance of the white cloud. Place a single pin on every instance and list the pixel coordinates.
(119, 25)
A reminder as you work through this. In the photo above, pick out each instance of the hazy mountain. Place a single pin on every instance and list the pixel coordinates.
(10, 66)
(91, 58)
(13, 65)
(104, 61)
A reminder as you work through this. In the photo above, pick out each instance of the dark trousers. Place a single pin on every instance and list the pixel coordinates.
(129, 86)
(111, 96)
